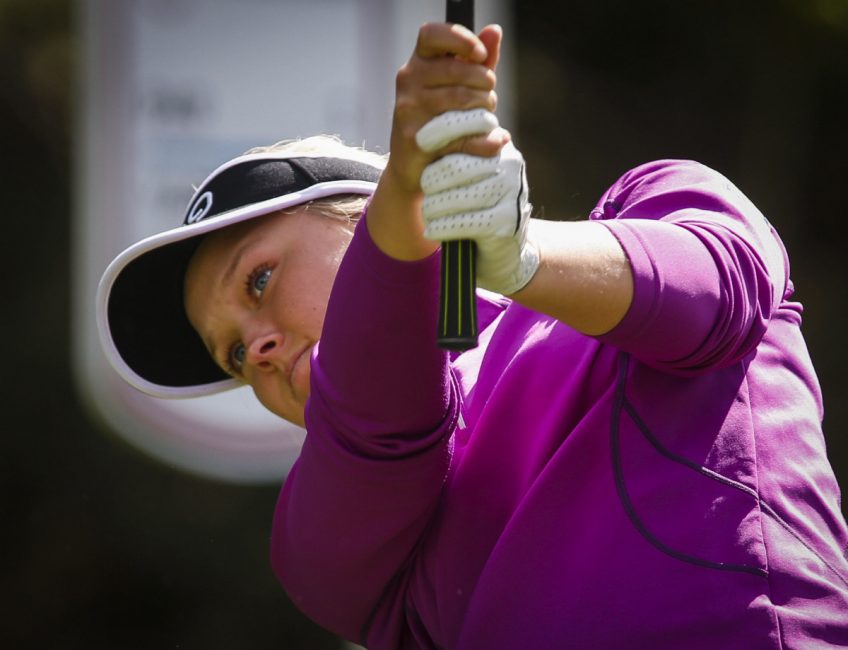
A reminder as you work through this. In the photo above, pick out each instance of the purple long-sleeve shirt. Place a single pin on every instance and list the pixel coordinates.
(665, 485)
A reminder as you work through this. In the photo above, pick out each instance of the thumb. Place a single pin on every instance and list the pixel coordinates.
(492, 36)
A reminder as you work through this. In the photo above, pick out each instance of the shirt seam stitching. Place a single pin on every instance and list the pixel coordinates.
(621, 404)
(760, 504)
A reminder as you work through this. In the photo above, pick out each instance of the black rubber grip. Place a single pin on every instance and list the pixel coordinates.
(460, 12)
(458, 305)
(458, 308)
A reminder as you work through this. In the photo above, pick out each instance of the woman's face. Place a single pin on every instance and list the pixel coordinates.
(257, 292)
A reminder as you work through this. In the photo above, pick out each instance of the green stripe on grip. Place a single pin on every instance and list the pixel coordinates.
(458, 307)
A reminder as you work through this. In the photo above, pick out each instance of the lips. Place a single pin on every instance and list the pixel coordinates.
(296, 360)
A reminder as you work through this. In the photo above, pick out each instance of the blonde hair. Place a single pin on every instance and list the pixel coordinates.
(343, 207)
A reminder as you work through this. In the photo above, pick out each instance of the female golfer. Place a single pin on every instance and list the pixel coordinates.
(631, 458)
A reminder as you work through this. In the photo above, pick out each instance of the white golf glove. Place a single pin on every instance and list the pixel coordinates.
(452, 125)
(482, 199)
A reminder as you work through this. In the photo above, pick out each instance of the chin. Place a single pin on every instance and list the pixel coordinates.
(296, 419)
(293, 415)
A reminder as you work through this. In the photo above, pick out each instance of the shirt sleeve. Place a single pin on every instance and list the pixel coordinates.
(709, 270)
(381, 410)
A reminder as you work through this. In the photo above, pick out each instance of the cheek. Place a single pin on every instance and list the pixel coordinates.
(304, 298)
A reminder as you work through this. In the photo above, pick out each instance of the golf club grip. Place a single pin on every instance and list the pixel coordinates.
(458, 305)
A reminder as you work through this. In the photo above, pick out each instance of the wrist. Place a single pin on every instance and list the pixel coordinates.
(528, 265)
(394, 220)
(512, 268)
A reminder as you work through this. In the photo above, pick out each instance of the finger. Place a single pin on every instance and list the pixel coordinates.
(472, 198)
(443, 39)
(486, 145)
(488, 224)
(456, 170)
(453, 125)
(492, 38)
(437, 101)
(449, 71)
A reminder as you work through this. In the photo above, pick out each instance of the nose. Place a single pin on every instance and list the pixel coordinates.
(264, 351)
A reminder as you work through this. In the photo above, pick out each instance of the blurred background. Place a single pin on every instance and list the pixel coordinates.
(107, 547)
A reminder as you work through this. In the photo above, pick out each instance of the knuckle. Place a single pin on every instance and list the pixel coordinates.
(426, 33)
(403, 105)
(492, 101)
(408, 132)
(403, 76)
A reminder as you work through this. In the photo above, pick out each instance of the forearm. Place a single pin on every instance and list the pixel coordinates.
(379, 374)
(379, 420)
(584, 278)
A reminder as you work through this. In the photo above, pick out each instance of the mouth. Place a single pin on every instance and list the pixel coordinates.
(296, 361)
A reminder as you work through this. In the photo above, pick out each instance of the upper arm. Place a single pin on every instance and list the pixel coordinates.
(708, 269)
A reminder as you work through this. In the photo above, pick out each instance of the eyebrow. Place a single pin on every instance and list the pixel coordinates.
(227, 277)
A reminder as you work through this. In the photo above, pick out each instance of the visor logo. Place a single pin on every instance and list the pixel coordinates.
(200, 208)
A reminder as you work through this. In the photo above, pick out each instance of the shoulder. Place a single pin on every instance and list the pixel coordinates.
(663, 187)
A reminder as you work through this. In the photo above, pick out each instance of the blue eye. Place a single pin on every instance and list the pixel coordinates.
(237, 355)
(262, 280)
(258, 281)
